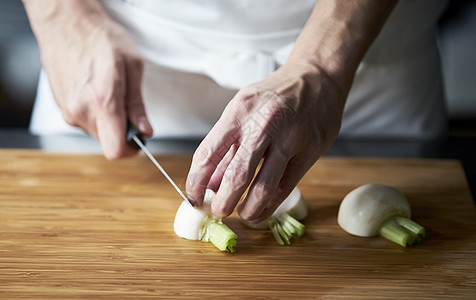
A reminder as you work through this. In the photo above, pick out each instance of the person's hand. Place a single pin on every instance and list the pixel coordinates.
(288, 120)
(94, 70)
(285, 122)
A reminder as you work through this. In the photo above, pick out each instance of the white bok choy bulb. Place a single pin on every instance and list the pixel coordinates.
(376, 208)
(201, 224)
(284, 222)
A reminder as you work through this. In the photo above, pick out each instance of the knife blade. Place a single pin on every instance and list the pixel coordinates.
(134, 137)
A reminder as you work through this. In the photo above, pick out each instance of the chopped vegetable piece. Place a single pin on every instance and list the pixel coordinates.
(222, 236)
(285, 228)
(284, 224)
(200, 224)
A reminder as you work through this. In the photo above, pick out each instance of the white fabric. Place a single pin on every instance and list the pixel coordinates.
(199, 53)
(397, 91)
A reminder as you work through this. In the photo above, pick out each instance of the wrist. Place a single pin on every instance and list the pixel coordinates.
(337, 64)
(337, 36)
(310, 72)
(309, 82)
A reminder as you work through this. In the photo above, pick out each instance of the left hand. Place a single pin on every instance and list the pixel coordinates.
(287, 121)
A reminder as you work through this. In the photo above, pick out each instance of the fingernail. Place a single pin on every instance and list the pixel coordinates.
(144, 125)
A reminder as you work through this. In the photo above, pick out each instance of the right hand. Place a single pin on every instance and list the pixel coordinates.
(95, 72)
(269, 135)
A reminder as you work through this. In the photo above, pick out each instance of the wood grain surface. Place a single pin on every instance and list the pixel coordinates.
(78, 226)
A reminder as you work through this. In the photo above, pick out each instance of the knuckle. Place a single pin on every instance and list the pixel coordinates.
(247, 217)
(282, 153)
(204, 156)
(107, 101)
(238, 176)
(262, 191)
(243, 101)
(275, 116)
(192, 180)
(284, 190)
(252, 216)
(74, 115)
(245, 94)
(100, 99)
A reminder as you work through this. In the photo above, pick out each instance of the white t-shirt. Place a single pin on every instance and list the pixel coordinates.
(199, 53)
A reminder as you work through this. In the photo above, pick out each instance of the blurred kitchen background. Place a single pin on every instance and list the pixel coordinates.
(20, 66)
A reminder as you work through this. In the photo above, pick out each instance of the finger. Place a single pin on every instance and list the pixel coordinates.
(76, 111)
(111, 131)
(110, 116)
(217, 176)
(134, 102)
(264, 186)
(205, 160)
(238, 176)
(79, 116)
(295, 170)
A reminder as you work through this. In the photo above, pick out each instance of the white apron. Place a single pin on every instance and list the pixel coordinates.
(199, 53)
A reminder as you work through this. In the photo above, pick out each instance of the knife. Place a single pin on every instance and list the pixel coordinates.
(136, 141)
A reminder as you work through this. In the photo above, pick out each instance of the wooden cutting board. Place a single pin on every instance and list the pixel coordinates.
(78, 226)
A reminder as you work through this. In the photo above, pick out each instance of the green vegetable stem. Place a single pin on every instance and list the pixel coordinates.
(285, 228)
(222, 236)
(402, 231)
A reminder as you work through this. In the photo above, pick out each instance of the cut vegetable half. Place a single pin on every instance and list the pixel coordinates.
(379, 209)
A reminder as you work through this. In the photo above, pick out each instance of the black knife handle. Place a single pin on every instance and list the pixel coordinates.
(130, 132)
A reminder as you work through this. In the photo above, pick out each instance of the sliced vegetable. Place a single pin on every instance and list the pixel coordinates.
(284, 223)
(200, 224)
(222, 236)
(376, 208)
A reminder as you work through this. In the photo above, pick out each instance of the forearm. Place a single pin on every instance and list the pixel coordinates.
(48, 17)
(337, 36)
